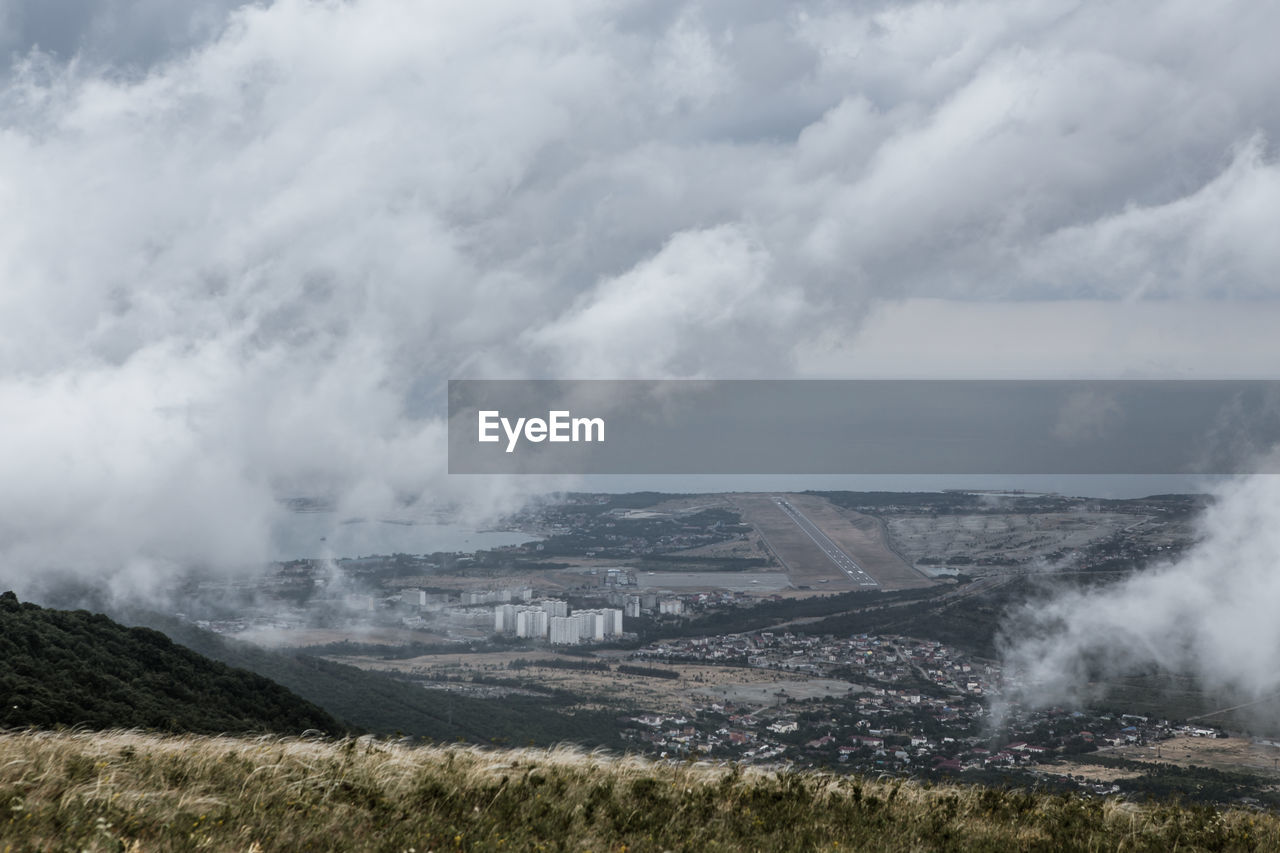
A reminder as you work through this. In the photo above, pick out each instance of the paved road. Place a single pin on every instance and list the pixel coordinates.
(842, 560)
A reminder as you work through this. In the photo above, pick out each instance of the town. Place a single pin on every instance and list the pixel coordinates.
(708, 631)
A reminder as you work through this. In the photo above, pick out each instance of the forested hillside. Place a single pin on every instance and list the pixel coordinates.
(60, 667)
(379, 703)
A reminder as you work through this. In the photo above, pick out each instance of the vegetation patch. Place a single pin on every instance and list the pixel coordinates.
(130, 791)
(60, 667)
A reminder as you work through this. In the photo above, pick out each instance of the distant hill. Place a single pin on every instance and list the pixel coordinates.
(60, 667)
(382, 704)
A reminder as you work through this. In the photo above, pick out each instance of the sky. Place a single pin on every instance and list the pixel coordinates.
(242, 246)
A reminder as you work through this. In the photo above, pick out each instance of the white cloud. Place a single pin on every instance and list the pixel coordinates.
(707, 297)
(1210, 615)
(1214, 241)
(1051, 339)
(689, 71)
(240, 252)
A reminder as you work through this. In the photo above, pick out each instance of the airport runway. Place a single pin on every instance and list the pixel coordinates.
(842, 560)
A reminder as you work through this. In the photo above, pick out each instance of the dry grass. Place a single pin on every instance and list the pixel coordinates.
(1229, 754)
(138, 792)
(600, 689)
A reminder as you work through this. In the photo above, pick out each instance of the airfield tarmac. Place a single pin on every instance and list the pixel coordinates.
(816, 541)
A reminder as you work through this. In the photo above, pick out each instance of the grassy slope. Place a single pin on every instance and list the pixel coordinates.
(138, 792)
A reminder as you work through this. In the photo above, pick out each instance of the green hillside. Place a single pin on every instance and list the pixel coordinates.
(69, 668)
(379, 703)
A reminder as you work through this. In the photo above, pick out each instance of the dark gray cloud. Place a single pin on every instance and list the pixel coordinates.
(243, 246)
(129, 35)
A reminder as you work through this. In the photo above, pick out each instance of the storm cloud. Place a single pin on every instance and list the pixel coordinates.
(242, 247)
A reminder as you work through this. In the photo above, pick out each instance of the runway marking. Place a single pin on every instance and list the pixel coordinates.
(833, 551)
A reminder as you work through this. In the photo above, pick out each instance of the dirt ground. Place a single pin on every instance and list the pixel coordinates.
(1231, 753)
(1021, 537)
(1091, 772)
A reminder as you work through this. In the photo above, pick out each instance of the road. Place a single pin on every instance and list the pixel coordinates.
(842, 560)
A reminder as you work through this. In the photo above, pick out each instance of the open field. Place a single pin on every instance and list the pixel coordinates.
(741, 549)
(1017, 537)
(273, 638)
(127, 791)
(1092, 772)
(468, 578)
(760, 582)
(777, 692)
(690, 503)
(1232, 753)
(750, 686)
(860, 536)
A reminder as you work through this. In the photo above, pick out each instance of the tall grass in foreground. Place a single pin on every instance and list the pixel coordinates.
(139, 792)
